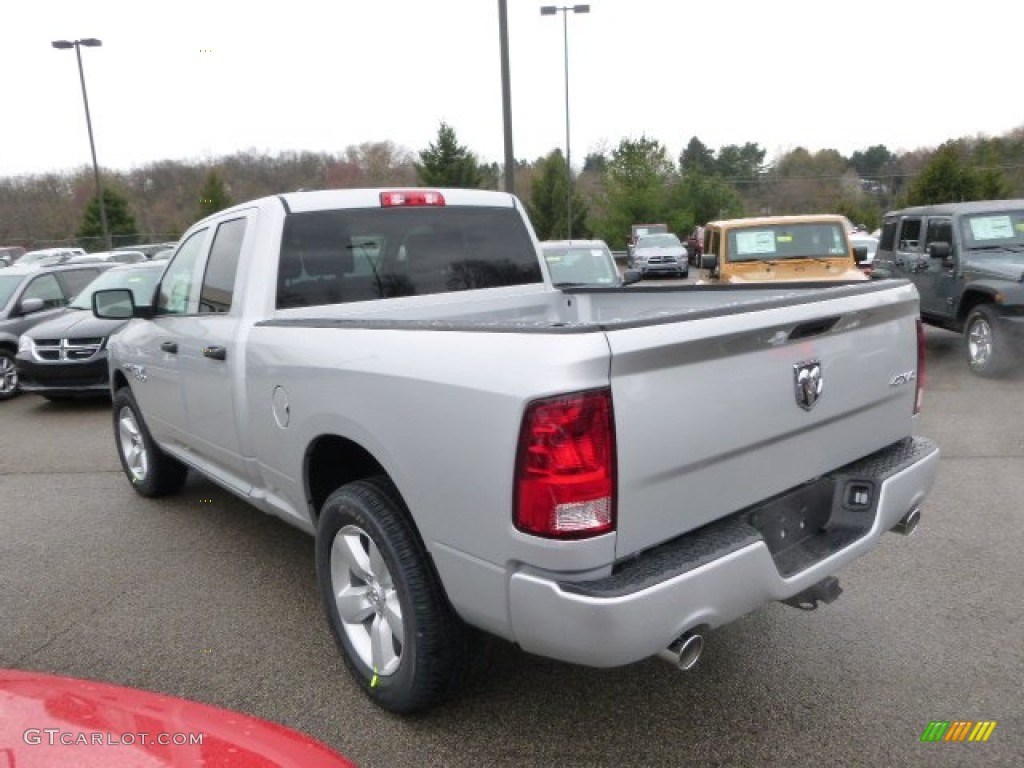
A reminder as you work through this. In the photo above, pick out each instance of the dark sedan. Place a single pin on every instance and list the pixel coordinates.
(66, 356)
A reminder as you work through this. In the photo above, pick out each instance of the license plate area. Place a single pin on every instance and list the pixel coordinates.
(807, 524)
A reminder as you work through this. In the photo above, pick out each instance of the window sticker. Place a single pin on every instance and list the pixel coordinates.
(991, 228)
(761, 241)
(785, 238)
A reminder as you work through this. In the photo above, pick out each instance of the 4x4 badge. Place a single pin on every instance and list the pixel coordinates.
(808, 382)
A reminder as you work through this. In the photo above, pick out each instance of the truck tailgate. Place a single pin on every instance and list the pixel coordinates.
(708, 415)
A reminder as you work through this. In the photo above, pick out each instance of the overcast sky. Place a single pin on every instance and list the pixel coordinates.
(181, 79)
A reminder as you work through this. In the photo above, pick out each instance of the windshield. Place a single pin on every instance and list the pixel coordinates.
(788, 241)
(1003, 229)
(581, 264)
(659, 241)
(141, 281)
(8, 285)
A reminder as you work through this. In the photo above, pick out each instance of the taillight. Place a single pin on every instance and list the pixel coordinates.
(919, 380)
(565, 468)
(410, 197)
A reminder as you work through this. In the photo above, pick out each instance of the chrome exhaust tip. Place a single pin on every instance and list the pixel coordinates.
(908, 524)
(684, 651)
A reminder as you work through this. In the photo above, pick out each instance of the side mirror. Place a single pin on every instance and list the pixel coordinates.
(28, 306)
(117, 304)
(709, 261)
(860, 253)
(939, 250)
(631, 276)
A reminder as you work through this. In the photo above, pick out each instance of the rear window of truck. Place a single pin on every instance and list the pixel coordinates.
(339, 256)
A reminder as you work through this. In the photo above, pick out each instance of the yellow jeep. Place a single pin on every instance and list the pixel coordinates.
(780, 248)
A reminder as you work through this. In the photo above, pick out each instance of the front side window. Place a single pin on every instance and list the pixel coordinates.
(939, 231)
(177, 288)
(47, 288)
(222, 266)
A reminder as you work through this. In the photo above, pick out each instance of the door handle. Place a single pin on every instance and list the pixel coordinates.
(215, 353)
(170, 346)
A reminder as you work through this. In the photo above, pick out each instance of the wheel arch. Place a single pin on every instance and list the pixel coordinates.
(332, 461)
(971, 299)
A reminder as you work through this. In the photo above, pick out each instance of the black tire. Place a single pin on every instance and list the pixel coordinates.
(8, 375)
(422, 661)
(151, 472)
(988, 351)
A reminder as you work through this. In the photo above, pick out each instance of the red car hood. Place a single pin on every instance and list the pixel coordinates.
(48, 721)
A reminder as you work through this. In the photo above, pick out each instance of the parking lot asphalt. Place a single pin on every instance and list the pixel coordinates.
(199, 595)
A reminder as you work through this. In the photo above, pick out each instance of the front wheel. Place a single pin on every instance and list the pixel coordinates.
(151, 471)
(8, 375)
(986, 344)
(399, 637)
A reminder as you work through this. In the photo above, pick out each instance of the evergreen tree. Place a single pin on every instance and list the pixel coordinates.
(120, 221)
(448, 164)
(948, 178)
(638, 178)
(214, 195)
(548, 199)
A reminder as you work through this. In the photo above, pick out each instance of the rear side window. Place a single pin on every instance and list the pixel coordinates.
(332, 257)
(887, 241)
(76, 279)
(222, 266)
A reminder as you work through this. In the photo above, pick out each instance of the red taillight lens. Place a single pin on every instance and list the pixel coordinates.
(920, 380)
(565, 469)
(410, 197)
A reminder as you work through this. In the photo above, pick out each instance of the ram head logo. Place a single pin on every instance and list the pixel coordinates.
(808, 383)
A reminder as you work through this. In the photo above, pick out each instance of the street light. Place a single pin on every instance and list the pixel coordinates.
(89, 42)
(551, 10)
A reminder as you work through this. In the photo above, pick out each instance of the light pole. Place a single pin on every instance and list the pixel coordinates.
(551, 10)
(506, 98)
(89, 42)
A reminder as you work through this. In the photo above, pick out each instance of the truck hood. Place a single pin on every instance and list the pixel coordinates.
(794, 270)
(75, 324)
(671, 250)
(1001, 266)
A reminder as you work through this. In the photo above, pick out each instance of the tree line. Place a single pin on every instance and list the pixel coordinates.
(636, 181)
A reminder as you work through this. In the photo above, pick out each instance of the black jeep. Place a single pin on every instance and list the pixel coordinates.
(967, 261)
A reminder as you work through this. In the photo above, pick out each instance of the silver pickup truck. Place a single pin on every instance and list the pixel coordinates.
(599, 475)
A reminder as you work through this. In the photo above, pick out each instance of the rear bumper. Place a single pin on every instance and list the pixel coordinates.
(716, 574)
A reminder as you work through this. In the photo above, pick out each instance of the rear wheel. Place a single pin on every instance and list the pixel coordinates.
(150, 471)
(8, 375)
(988, 350)
(399, 637)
